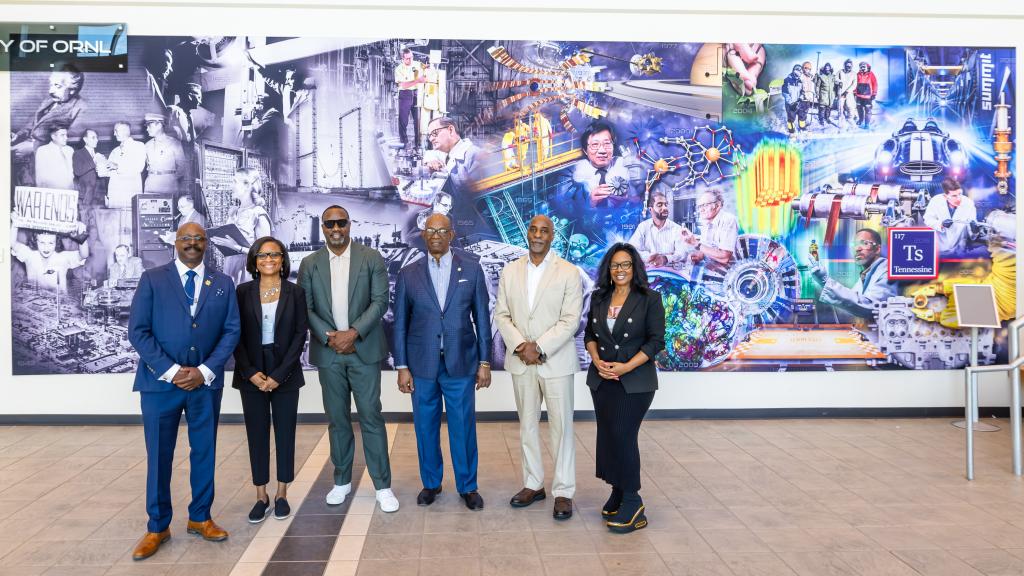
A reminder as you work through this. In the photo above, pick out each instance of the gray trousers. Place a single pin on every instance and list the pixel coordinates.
(347, 378)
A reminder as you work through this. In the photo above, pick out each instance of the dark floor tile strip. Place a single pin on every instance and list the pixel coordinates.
(295, 569)
(306, 547)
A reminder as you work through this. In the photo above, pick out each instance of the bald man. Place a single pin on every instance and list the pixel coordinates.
(538, 325)
(184, 324)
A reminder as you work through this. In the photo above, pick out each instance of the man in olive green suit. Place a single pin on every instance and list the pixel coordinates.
(346, 285)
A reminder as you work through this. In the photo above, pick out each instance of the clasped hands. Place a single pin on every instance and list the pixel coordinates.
(263, 382)
(343, 341)
(188, 378)
(529, 353)
(610, 370)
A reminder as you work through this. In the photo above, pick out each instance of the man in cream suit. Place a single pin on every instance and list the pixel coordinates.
(538, 311)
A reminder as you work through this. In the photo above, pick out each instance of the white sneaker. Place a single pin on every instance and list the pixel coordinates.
(387, 500)
(338, 494)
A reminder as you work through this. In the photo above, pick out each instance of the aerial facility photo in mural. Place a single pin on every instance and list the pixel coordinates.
(765, 185)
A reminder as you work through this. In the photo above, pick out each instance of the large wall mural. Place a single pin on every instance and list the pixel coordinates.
(766, 185)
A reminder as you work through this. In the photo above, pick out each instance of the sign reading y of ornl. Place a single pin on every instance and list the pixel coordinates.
(37, 47)
(913, 254)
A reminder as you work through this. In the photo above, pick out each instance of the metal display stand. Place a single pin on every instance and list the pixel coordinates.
(973, 415)
(976, 308)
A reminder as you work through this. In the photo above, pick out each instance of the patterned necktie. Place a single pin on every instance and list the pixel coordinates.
(190, 287)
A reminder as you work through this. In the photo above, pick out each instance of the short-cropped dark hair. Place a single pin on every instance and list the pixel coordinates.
(948, 184)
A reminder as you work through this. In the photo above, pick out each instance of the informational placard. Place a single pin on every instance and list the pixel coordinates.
(47, 47)
(46, 209)
(913, 254)
(976, 306)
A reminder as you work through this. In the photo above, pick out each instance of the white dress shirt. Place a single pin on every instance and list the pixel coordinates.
(339, 286)
(208, 375)
(721, 232)
(668, 241)
(54, 167)
(533, 276)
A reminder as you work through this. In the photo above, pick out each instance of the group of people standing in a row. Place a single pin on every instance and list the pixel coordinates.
(849, 92)
(187, 320)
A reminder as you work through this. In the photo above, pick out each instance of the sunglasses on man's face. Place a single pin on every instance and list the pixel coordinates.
(339, 223)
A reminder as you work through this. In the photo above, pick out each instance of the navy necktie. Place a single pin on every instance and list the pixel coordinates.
(602, 173)
(190, 287)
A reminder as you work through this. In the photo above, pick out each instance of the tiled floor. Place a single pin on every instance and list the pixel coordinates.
(807, 497)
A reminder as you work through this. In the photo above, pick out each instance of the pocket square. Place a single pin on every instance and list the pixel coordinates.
(463, 280)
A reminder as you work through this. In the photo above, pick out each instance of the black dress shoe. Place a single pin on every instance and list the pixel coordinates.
(473, 500)
(427, 496)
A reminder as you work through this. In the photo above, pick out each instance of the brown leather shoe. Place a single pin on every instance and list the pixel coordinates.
(208, 530)
(525, 497)
(563, 508)
(149, 544)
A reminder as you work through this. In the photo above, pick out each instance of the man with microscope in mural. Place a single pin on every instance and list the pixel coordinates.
(658, 239)
(457, 162)
(598, 193)
(719, 230)
(872, 286)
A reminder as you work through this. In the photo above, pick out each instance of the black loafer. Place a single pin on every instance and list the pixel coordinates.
(281, 509)
(473, 500)
(427, 496)
(259, 512)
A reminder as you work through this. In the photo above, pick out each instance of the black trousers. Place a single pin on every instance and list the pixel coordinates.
(407, 112)
(619, 416)
(260, 409)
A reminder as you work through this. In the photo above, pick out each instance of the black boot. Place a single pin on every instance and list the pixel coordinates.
(630, 516)
(611, 507)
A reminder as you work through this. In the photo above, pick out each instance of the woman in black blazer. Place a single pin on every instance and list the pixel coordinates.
(625, 330)
(268, 372)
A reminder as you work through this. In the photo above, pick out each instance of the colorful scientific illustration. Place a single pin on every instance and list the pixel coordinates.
(759, 181)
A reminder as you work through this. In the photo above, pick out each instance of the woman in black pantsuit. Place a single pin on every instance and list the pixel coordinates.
(625, 330)
(268, 372)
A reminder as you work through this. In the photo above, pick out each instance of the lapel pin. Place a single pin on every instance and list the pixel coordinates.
(208, 282)
(458, 269)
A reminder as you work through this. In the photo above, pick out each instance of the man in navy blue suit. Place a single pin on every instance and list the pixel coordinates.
(184, 325)
(442, 348)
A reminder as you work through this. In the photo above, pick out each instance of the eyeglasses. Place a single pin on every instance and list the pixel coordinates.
(272, 255)
(627, 265)
(433, 133)
(193, 238)
(436, 231)
(867, 243)
(339, 223)
(600, 145)
(705, 205)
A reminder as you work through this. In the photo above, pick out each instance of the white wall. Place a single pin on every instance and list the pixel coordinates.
(782, 21)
